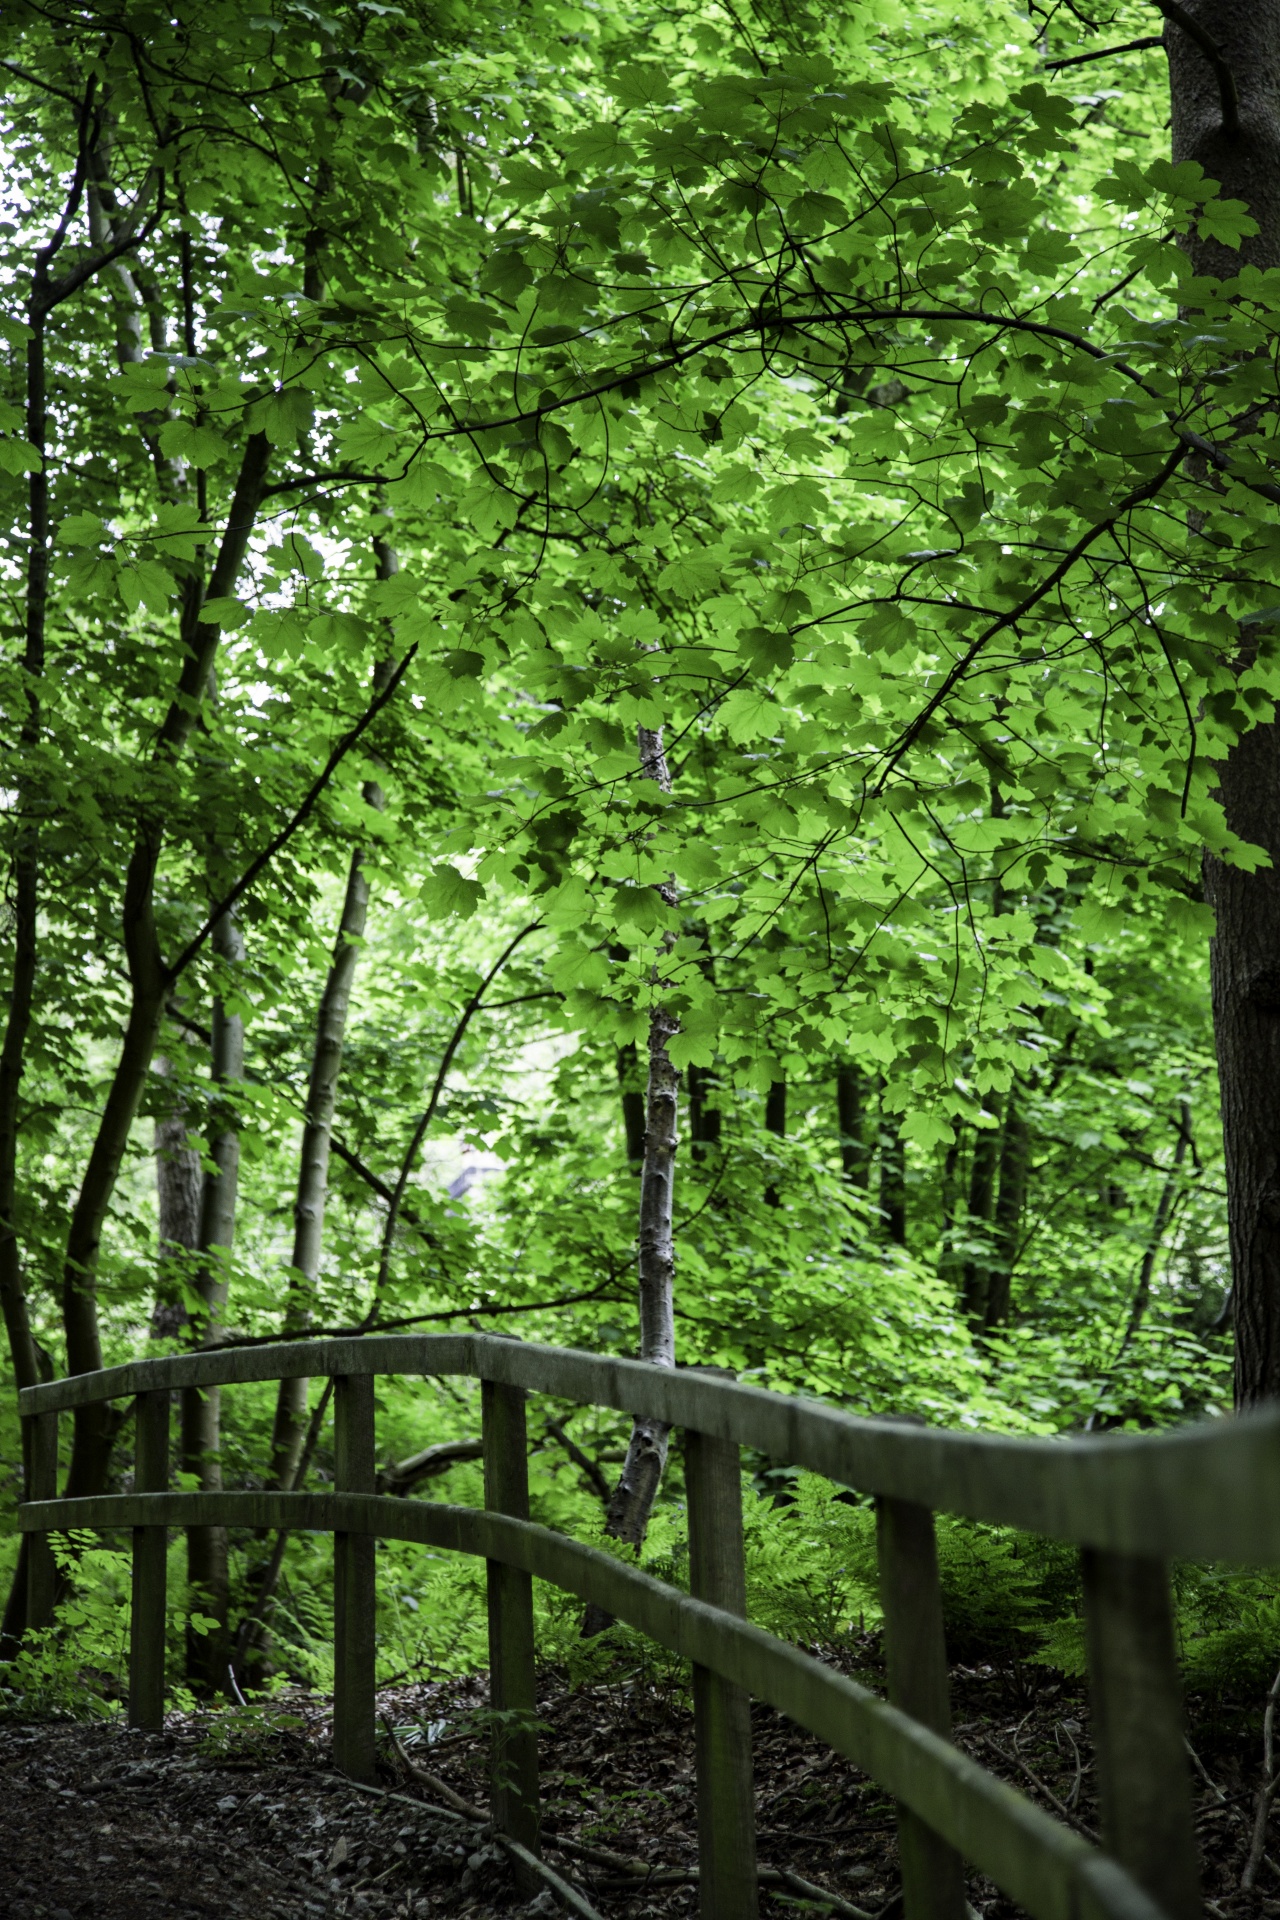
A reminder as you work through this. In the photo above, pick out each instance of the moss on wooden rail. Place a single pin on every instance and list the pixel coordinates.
(1049, 1871)
(1204, 1492)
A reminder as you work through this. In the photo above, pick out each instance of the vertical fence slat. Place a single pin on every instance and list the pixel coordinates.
(1144, 1785)
(147, 1624)
(916, 1662)
(513, 1789)
(41, 1436)
(355, 1584)
(727, 1888)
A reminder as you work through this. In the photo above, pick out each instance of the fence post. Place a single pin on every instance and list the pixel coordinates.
(41, 1435)
(513, 1788)
(1144, 1786)
(727, 1888)
(916, 1662)
(355, 1584)
(150, 1551)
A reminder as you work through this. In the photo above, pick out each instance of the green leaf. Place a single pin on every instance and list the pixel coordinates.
(226, 612)
(447, 892)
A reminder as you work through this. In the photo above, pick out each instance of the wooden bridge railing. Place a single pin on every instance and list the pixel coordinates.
(1129, 1503)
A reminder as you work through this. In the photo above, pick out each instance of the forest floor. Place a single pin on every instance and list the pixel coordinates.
(242, 1816)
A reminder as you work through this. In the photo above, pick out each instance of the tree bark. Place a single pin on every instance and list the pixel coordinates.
(207, 1563)
(1159, 1227)
(632, 1097)
(1243, 956)
(179, 1183)
(646, 1459)
(1015, 1155)
(95, 1426)
(982, 1201)
(322, 1094)
(704, 1112)
(775, 1122)
(851, 1113)
(893, 1180)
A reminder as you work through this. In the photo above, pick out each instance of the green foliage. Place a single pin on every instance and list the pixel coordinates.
(809, 389)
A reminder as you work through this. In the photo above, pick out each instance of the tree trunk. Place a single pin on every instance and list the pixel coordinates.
(179, 1183)
(704, 1112)
(95, 1427)
(1159, 1227)
(982, 1202)
(637, 1489)
(632, 1097)
(775, 1122)
(1015, 1155)
(851, 1112)
(1245, 161)
(893, 1180)
(290, 1426)
(207, 1569)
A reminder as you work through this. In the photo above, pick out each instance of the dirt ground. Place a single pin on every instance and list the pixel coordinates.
(243, 1817)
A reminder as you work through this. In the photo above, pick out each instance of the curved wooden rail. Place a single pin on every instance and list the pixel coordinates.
(1044, 1867)
(1204, 1492)
(1130, 1504)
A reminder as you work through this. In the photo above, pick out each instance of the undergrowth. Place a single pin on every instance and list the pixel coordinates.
(1008, 1597)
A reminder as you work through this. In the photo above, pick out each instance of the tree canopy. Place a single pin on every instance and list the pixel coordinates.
(523, 519)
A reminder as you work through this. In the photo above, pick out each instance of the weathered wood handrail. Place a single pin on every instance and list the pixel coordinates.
(1131, 1503)
(1199, 1493)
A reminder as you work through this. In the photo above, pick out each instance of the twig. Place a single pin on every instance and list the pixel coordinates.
(300, 814)
(581, 1460)
(1200, 1768)
(783, 1876)
(403, 1475)
(424, 1123)
(567, 1892)
(1014, 1759)
(1104, 53)
(570, 1895)
(1074, 1794)
(1258, 1845)
(432, 1780)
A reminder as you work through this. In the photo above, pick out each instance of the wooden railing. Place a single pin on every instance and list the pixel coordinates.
(1129, 1503)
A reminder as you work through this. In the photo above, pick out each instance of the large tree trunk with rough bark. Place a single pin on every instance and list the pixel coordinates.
(1244, 158)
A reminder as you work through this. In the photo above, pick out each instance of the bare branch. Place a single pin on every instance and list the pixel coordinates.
(301, 814)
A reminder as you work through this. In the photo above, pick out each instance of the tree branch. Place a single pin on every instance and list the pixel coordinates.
(286, 833)
(1105, 53)
(419, 1132)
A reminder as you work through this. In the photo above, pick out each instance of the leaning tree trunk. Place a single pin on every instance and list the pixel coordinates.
(1206, 97)
(289, 1432)
(642, 1470)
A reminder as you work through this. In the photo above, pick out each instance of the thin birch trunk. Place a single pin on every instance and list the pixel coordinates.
(645, 1463)
(290, 1425)
(179, 1182)
(207, 1565)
